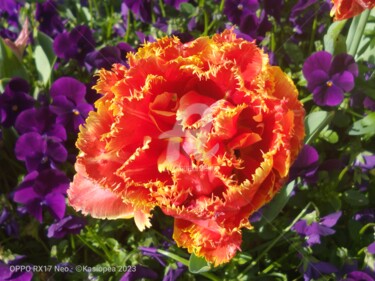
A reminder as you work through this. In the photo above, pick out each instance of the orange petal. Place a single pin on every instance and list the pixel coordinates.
(92, 199)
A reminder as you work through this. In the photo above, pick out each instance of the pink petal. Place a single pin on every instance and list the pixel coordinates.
(90, 198)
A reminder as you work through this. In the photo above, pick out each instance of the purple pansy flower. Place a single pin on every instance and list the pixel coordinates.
(365, 216)
(43, 190)
(65, 226)
(39, 152)
(153, 252)
(358, 276)
(107, 56)
(175, 3)
(328, 78)
(236, 10)
(75, 44)
(314, 270)
(303, 14)
(174, 273)
(314, 230)
(138, 273)
(9, 10)
(8, 274)
(365, 162)
(14, 100)
(69, 104)
(142, 9)
(49, 19)
(42, 121)
(8, 223)
(306, 165)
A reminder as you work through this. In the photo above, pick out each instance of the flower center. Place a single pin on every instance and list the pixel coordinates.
(75, 111)
(240, 7)
(329, 83)
(15, 107)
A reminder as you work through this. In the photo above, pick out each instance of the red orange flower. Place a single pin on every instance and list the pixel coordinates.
(345, 9)
(206, 131)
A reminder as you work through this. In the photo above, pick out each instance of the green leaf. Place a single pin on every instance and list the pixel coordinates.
(274, 208)
(44, 57)
(315, 123)
(355, 198)
(187, 8)
(329, 136)
(334, 42)
(364, 126)
(10, 65)
(198, 264)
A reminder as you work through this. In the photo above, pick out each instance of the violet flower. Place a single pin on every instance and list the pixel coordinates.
(142, 10)
(313, 231)
(6, 274)
(174, 273)
(14, 100)
(48, 17)
(43, 190)
(69, 104)
(365, 162)
(65, 226)
(39, 152)
(139, 273)
(328, 78)
(41, 121)
(175, 3)
(75, 44)
(153, 253)
(236, 10)
(107, 56)
(365, 216)
(9, 10)
(358, 276)
(314, 270)
(303, 14)
(8, 223)
(306, 165)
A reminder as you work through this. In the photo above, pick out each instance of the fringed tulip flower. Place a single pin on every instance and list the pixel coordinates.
(206, 131)
(345, 9)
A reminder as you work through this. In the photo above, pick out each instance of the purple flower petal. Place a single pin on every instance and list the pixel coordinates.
(331, 219)
(344, 62)
(70, 88)
(317, 61)
(371, 248)
(56, 204)
(330, 96)
(300, 227)
(317, 78)
(344, 80)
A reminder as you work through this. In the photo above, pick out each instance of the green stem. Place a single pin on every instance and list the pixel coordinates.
(281, 235)
(306, 99)
(312, 37)
(359, 32)
(186, 262)
(91, 247)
